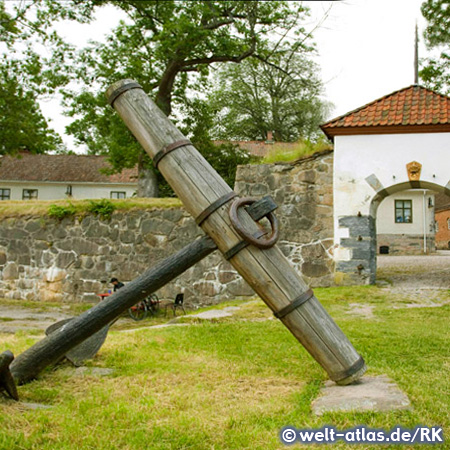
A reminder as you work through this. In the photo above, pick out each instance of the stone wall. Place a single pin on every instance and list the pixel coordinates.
(404, 244)
(46, 259)
(73, 260)
(303, 191)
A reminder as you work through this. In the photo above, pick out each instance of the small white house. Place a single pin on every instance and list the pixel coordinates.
(382, 150)
(56, 177)
(405, 223)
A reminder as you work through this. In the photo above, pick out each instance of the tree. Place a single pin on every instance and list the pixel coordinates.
(168, 47)
(22, 125)
(279, 95)
(436, 71)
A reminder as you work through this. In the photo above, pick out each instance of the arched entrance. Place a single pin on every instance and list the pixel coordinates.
(412, 212)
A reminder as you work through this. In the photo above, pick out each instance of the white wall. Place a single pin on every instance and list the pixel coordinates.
(386, 214)
(385, 156)
(57, 191)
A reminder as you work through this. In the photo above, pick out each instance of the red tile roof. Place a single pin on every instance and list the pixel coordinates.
(63, 168)
(414, 109)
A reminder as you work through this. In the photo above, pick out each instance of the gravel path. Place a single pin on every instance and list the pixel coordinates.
(416, 272)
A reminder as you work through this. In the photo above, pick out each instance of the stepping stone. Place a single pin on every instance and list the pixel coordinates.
(92, 371)
(378, 393)
(216, 313)
(33, 406)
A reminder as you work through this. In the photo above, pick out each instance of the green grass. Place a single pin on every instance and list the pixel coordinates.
(232, 384)
(300, 150)
(11, 208)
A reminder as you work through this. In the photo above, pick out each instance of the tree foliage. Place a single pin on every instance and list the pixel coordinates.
(168, 47)
(279, 95)
(436, 70)
(24, 75)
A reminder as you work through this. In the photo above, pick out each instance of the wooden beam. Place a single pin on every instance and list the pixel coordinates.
(267, 271)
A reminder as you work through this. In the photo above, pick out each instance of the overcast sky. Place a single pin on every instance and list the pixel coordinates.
(365, 50)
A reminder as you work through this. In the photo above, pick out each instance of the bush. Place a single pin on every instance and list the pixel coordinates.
(60, 212)
(103, 208)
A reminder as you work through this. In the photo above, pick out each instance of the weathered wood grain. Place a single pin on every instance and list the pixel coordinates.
(268, 272)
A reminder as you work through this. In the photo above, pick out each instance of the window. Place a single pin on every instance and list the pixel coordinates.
(118, 194)
(5, 194)
(403, 211)
(29, 194)
(448, 223)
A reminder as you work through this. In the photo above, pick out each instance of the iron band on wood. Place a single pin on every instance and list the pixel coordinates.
(354, 368)
(169, 148)
(214, 206)
(295, 304)
(119, 91)
(241, 245)
(266, 243)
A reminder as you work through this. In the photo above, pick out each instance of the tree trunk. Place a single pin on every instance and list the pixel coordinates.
(147, 180)
(147, 183)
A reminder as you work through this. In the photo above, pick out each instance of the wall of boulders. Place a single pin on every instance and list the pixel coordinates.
(73, 259)
(303, 189)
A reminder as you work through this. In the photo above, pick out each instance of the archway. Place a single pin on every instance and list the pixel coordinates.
(407, 213)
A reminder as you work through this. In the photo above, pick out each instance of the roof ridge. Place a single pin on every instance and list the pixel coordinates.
(384, 97)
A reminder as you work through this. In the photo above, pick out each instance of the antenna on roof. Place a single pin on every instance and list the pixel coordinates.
(416, 57)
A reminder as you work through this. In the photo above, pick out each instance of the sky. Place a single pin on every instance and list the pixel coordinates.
(365, 50)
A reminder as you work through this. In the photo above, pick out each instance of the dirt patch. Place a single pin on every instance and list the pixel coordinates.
(13, 319)
(415, 272)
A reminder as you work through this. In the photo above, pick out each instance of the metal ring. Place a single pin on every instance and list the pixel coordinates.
(260, 243)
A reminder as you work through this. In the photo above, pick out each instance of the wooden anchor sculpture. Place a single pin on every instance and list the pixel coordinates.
(231, 228)
(221, 215)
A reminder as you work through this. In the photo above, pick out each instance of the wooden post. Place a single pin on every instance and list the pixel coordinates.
(208, 198)
(48, 351)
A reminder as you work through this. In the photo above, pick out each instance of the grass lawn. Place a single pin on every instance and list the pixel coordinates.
(232, 383)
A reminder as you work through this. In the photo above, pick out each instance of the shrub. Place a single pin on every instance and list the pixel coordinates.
(103, 208)
(60, 212)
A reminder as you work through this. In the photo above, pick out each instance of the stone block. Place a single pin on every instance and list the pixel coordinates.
(10, 271)
(315, 269)
(368, 394)
(258, 190)
(173, 214)
(207, 288)
(54, 274)
(227, 277)
(239, 288)
(32, 226)
(313, 251)
(65, 259)
(2, 258)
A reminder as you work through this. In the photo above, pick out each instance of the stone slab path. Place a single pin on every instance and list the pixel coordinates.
(369, 394)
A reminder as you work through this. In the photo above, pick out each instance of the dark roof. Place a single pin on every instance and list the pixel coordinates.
(442, 202)
(63, 168)
(414, 109)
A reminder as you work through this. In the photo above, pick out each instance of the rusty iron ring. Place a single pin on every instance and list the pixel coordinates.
(260, 243)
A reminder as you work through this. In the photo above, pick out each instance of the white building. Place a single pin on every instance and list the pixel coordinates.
(55, 177)
(405, 223)
(396, 143)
